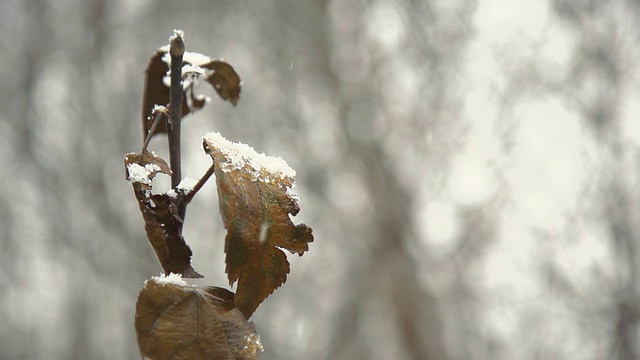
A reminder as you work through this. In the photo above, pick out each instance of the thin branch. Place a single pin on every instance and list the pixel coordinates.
(187, 199)
(176, 50)
(152, 130)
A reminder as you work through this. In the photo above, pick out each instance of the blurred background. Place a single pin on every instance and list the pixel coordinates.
(469, 168)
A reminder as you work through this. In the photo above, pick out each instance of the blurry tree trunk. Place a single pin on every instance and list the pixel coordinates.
(600, 58)
(388, 272)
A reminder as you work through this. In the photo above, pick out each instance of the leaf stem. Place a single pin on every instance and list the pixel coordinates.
(199, 184)
(152, 130)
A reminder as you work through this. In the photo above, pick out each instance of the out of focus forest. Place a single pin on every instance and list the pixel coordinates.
(471, 170)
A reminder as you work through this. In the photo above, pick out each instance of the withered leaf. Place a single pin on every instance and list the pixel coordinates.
(163, 225)
(255, 204)
(178, 321)
(156, 93)
(225, 80)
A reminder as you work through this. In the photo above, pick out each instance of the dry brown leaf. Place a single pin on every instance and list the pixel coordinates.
(178, 321)
(163, 225)
(223, 79)
(157, 93)
(255, 203)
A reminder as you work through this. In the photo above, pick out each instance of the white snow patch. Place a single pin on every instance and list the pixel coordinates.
(240, 156)
(192, 69)
(192, 61)
(159, 108)
(186, 185)
(194, 58)
(141, 174)
(175, 279)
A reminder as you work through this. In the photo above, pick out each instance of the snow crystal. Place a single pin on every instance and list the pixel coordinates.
(175, 279)
(141, 174)
(238, 155)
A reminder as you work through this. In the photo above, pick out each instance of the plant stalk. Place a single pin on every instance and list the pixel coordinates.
(176, 50)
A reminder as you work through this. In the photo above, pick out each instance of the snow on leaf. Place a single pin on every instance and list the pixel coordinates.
(255, 205)
(184, 187)
(222, 77)
(141, 174)
(156, 93)
(141, 168)
(190, 57)
(175, 279)
(241, 156)
(187, 184)
(163, 225)
(197, 70)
